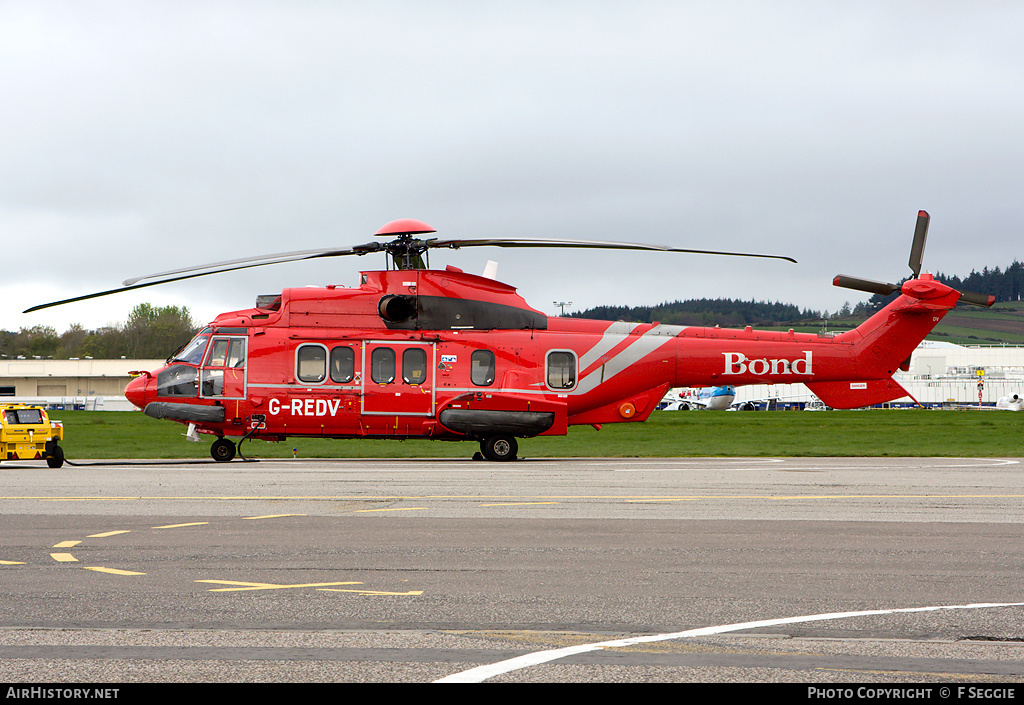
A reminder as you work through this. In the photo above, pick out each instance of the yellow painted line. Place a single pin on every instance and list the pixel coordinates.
(397, 509)
(515, 504)
(265, 586)
(178, 526)
(373, 592)
(672, 499)
(67, 544)
(108, 533)
(276, 516)
(113, 571)
(12, 563)
(63, 558)
(86, 499)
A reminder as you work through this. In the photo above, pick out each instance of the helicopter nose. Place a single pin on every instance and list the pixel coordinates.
(136, 391)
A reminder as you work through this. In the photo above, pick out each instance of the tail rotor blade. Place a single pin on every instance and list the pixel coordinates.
(916, 258)
(920, 237)
(970, 297)
(868, 285)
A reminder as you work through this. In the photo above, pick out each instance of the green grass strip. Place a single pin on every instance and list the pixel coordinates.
(870, 433)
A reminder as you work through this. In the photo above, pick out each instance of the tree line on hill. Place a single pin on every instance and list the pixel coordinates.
(728, 313)
(1006, 285)
(151, 332)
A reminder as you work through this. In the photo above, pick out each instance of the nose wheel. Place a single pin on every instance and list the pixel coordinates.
(222, 450)
(55, 459)
(500, 447)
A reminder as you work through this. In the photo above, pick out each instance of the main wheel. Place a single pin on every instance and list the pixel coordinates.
(222, 450)
(500, 447)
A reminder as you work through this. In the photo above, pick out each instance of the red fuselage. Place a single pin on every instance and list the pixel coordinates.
(449, 355)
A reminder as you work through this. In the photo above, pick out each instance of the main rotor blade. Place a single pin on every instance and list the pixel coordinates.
(592, 244)
(188, 273)
(260, 260)
(300, 255)
(920, 237)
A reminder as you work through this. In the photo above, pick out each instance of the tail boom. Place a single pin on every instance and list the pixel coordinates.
(851, 370)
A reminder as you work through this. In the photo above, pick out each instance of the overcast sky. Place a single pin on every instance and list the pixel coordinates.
(142, 136)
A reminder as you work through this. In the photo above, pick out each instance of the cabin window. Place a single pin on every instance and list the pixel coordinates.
(311, 363)
(481, 367)
(561, 369)
(382, 365)
(414, 365)
(343, 364)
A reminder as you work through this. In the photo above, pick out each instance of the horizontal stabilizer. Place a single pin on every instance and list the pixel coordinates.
(853, 395)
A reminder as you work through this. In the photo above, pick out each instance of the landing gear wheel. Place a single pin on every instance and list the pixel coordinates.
(499, 448)
(56, 458)
(222, 450)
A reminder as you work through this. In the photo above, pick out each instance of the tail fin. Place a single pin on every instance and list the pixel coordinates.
(884, 343)
(854, 395)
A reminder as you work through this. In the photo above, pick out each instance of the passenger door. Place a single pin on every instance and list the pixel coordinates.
(398, 378)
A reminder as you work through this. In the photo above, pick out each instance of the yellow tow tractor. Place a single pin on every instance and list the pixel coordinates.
(26, 433)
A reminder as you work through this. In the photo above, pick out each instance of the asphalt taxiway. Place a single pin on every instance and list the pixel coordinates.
(690, 569)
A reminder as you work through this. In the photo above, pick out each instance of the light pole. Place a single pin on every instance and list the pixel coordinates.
(562, 305)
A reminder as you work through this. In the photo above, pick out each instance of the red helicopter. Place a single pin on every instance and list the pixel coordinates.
(413, 352)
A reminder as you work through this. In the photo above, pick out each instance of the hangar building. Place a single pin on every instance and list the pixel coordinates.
(81, 384)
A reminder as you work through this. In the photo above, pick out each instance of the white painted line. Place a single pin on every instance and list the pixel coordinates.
(482, 673)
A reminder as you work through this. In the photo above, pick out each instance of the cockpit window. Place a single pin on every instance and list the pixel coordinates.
(193, 352)
(226, 352)
(178, 381)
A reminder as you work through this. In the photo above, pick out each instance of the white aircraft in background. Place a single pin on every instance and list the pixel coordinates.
(713, 398)
(1012, 402)
(722, 398)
